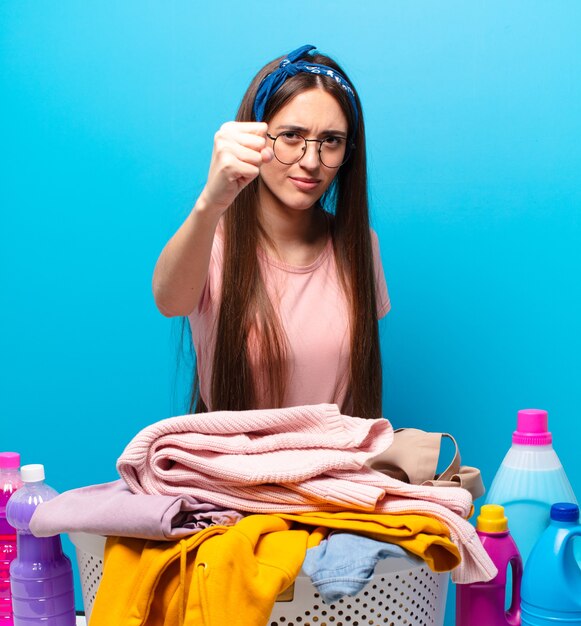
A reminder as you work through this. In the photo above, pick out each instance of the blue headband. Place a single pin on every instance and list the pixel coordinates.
(290, 66)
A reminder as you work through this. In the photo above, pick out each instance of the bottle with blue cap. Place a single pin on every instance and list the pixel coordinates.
(551, 584)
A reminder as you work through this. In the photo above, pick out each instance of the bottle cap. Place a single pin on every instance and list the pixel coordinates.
(492, 519)
(565, 512)
(32, 473)
(532, 428)
(9, 460)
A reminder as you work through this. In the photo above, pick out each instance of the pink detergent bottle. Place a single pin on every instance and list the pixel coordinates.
(483, 604)
(9, 483)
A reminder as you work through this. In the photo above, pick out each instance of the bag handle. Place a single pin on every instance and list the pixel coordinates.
(458, 475)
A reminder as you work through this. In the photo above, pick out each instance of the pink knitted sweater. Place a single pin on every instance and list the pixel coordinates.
(297, 459)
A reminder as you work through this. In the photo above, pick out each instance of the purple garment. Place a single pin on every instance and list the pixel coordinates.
(111, 509)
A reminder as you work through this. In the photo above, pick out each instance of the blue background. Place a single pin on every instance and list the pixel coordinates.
(108, 110)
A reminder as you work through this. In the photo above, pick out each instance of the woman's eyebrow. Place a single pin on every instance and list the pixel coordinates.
(302, 129)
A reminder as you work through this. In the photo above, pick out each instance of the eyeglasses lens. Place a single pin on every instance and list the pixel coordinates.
(290, 148)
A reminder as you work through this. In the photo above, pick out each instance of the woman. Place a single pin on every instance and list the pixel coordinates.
(276, 266)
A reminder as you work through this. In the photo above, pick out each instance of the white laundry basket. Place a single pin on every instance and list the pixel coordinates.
(398, 595)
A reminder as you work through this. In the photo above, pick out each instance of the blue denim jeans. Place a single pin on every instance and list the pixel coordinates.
(343, 563)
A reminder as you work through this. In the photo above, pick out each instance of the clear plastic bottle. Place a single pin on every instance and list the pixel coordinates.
(9, 483)
(41, 575)
(529, 480)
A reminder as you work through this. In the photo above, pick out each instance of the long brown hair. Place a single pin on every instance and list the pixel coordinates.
(246, 310)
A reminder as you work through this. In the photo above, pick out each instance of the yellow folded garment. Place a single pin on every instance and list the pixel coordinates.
(144, 582)
(221, 575)
(230, 575)
(241, 573)
(421, 535)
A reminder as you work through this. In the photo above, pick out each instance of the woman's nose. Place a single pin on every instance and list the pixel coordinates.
(310, 159)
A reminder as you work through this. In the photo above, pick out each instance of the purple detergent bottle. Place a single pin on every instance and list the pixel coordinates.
(483, 604)
(9, 483)
(41, 575)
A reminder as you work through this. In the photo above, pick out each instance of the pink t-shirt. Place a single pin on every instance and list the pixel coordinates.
(314, 315)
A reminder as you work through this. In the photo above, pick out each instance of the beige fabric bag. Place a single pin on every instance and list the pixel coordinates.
(413, 458)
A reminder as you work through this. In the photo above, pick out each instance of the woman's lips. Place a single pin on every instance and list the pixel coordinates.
(304, 184)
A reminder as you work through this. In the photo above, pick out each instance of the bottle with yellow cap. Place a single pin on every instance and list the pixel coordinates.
(483, 604)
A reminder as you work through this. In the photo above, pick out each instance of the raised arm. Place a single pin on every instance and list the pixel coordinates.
(182, 267)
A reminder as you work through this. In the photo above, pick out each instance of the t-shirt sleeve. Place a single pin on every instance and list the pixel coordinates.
(382, 296)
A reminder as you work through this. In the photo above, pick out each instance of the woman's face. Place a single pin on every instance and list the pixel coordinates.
(314, 114)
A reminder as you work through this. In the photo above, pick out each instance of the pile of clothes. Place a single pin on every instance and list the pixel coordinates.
(216, 513)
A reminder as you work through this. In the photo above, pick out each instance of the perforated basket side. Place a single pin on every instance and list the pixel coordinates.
(90, 572)
(398, 595)
(408, 597)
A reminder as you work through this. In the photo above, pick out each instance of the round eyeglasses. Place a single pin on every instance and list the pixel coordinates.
(289, 147)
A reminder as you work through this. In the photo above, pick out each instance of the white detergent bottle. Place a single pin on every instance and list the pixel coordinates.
(529, 480)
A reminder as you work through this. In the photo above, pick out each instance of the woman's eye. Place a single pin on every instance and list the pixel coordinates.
(334, 142)
(290, 137)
